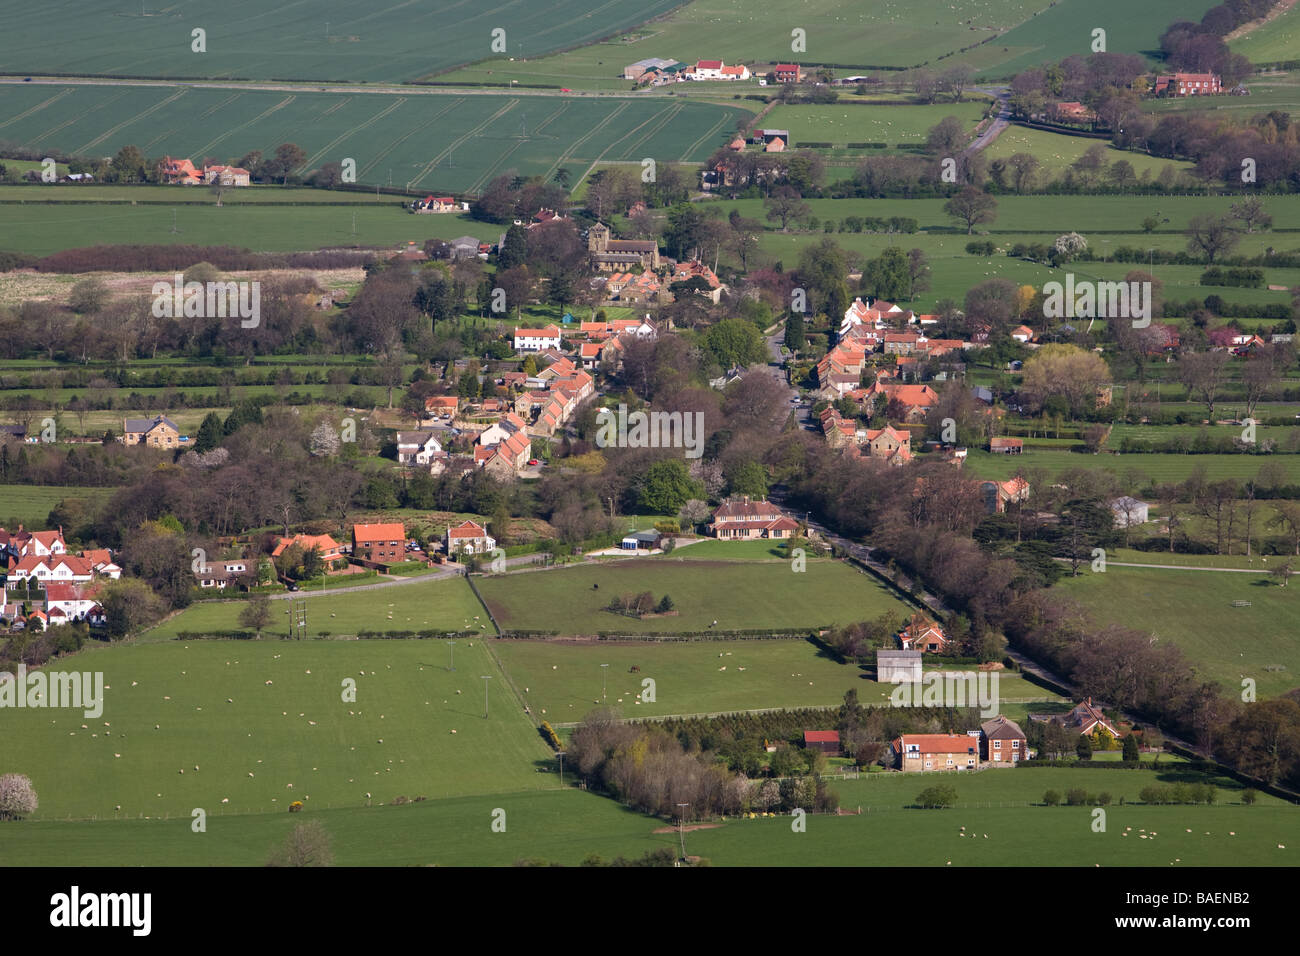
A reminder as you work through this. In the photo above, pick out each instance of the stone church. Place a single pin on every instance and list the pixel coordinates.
(611, 255)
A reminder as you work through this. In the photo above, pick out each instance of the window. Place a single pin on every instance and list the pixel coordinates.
(1015, 745)
(997, 745)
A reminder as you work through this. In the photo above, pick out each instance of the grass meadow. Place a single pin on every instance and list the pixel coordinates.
(564, 680)
(894, 125)
(1279, 39)
(737, 594)
(1158, 467)
(31, 504)
(1193, 610)
(265, 723)
(443, 605)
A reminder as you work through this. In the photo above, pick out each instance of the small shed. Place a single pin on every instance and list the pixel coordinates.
(1129, 511)
(827, 741)
(641, 541)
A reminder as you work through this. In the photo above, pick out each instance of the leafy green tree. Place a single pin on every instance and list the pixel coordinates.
(667, 486)
(937, 797)
(735, 342)
(1084, 747)
(256, 614)
(888, 276)
(515, 250)
(1130, 749)
(795, 339)
(747, 478)
(1052, 798)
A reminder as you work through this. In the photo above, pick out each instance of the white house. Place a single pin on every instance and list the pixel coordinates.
(468, 537)
(417, 448)
(66, 602)
(1129, 511)
(537, 340)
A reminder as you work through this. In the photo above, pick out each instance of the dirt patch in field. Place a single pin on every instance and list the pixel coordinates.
(689, 829)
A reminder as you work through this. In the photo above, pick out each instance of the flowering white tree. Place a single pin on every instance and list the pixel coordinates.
(1070, 245)
(17, 796)
(325, 440)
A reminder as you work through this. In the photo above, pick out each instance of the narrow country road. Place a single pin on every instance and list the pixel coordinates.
(1002, 94)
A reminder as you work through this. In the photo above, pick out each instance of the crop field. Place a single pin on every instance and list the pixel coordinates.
(443, 605)
(1279, 39)
(1056, 151)
(423, 139)
(248, 726)
(31, 504)
(1194, 610)
(1067, 28)
(1159, 467)
(870, 124)
(737, 595)
(563, 681)
(312, 40)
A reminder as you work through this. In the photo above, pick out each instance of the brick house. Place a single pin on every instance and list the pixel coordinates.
(919, 753)
(378, 543)
(330, 549)
(1002, 741)
(787, 73)
(923, 633)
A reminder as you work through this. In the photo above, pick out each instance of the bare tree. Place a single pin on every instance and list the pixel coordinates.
(1212, 236)
(1204, 373)
(307, 845)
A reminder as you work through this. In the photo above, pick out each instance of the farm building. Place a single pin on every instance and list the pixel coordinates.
(918, 753)
(1000, 445)
(1129, 511)
(641, 541)
(827, 741)
(898, 667)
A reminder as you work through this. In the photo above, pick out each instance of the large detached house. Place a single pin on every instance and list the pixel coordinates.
(1002, 741)
(379, 543)
(417, 448)
(468, 537)
(1086, 719)
(158, 432)
(918, 753)
(923, 634)
(746, 520)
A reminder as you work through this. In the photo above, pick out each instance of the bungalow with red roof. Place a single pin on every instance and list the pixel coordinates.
(330, 549)
(179, 171)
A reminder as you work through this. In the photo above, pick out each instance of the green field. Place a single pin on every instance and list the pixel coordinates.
(443, 605)
(563, 681)
(1056, 151)
(31, 504)
(1160, 468)
(564, 826)
(1276, 40)
(1067, 28)
(422, 138)
(257, 717)
(870, 124)
(737, 595)
(1193, 609)
(312, 40)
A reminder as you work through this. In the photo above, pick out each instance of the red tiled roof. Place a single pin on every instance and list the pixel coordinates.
(373, 533)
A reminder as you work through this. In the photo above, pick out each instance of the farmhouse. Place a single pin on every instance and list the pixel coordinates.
(435, 204)
(1002, 741)
(378, 543)
(468, 537)
(1188, 84)
(922, 633)
(179, 171)
(917, 753)
(787, 73)
(740, 519)
(159, 432)
(226, 175)
(898, 667)
(827, 741)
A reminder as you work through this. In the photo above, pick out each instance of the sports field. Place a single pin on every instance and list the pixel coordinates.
(424, 139)
(308, 40)
(265, 723)
(1194, 610)
(443, 605)
(563, 681)
(736, 594)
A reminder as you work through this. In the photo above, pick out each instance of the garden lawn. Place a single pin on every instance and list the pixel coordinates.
(1193, 610)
